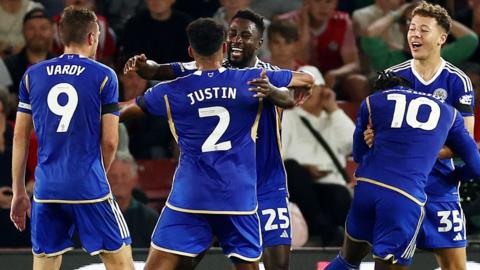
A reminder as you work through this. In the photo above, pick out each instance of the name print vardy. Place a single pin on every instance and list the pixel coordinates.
(65, 70)
(214, 92)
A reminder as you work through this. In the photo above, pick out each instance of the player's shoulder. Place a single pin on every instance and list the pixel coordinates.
(455, 72)
(402, 67)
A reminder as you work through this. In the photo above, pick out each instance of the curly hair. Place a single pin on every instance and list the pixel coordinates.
(437, 12)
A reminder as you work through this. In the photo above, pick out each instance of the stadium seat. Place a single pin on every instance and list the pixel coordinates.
(155, 179)
(350, 108)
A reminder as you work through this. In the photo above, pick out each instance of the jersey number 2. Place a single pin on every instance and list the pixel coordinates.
(412, 112)
(211, 143)
(65, 111)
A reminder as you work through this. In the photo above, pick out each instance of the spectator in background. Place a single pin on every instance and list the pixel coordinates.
(118, 12)
(150, 136)
(381, 56)
(315, 183)
(384, 10)
(226, 12)
(140, 219)
(5, 78)
(11, 237)
(282, 43)
(158, 32)
(106, 42)
(38, 34)
(11, 14)
(327, 42)
(471, 17)
(198, 8)
(52, 7)
(270, 8)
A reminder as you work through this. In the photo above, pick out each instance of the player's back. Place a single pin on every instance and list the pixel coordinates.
(214, 118)
(66, 95)
(410, 129)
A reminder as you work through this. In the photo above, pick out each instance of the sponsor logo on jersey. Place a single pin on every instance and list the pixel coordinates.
(466, 99)
(440, 94)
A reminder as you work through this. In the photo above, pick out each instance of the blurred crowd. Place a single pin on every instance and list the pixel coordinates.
(342, 42)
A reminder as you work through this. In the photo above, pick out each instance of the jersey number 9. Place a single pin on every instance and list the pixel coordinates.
(65, 111)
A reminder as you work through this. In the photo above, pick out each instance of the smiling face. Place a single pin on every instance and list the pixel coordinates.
(425, 37)
(243, 41)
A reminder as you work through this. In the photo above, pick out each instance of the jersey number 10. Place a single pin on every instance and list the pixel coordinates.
(412, 112)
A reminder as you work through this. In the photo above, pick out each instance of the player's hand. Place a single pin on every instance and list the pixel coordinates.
(369, 136)
(300, 95)
(135, 63)
(5, 197)
(263, 86)
(19, 210)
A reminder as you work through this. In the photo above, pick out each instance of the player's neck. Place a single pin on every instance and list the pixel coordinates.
(208, 64)
(427, 68)
(163, 16)
(77, 50)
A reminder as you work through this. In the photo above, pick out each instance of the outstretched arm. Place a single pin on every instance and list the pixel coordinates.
(149, 69)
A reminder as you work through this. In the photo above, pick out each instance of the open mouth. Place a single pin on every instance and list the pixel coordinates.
(416, 45)
(236, 52)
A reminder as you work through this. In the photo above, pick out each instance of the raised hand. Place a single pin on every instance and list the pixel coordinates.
(135, 63)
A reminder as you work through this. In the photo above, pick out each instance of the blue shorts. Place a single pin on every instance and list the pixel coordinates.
(385, 219)
(444, 226)
(189, 234)
(275, 221)
(100, 227)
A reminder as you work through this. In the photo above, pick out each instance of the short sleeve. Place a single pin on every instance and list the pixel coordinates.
(359, 145)
(183, 69)
(155, 100)
(24, 95)
(463, 95)
(109, 94)
(280, 78)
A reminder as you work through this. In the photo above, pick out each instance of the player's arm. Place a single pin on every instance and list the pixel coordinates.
(464, 147)
(149, 69)
(446, 151)
(21, 138)
(263, 88)
(360, 147)
(109, 140)
(129, 110)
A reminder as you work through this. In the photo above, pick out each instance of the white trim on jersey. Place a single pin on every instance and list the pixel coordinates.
(400, 66)
(435, 76)
(467, 83)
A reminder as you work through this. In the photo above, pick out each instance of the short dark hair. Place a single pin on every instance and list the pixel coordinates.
(76, 24)
(36, 13)
(252, 16)
(287, 29)
(388, 80)
(437, 12)
(205, 36)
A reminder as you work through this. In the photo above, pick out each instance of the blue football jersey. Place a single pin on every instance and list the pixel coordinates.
(66, 97)
(453, 87)
(271, 175)
(214, 119)
(410, 129)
